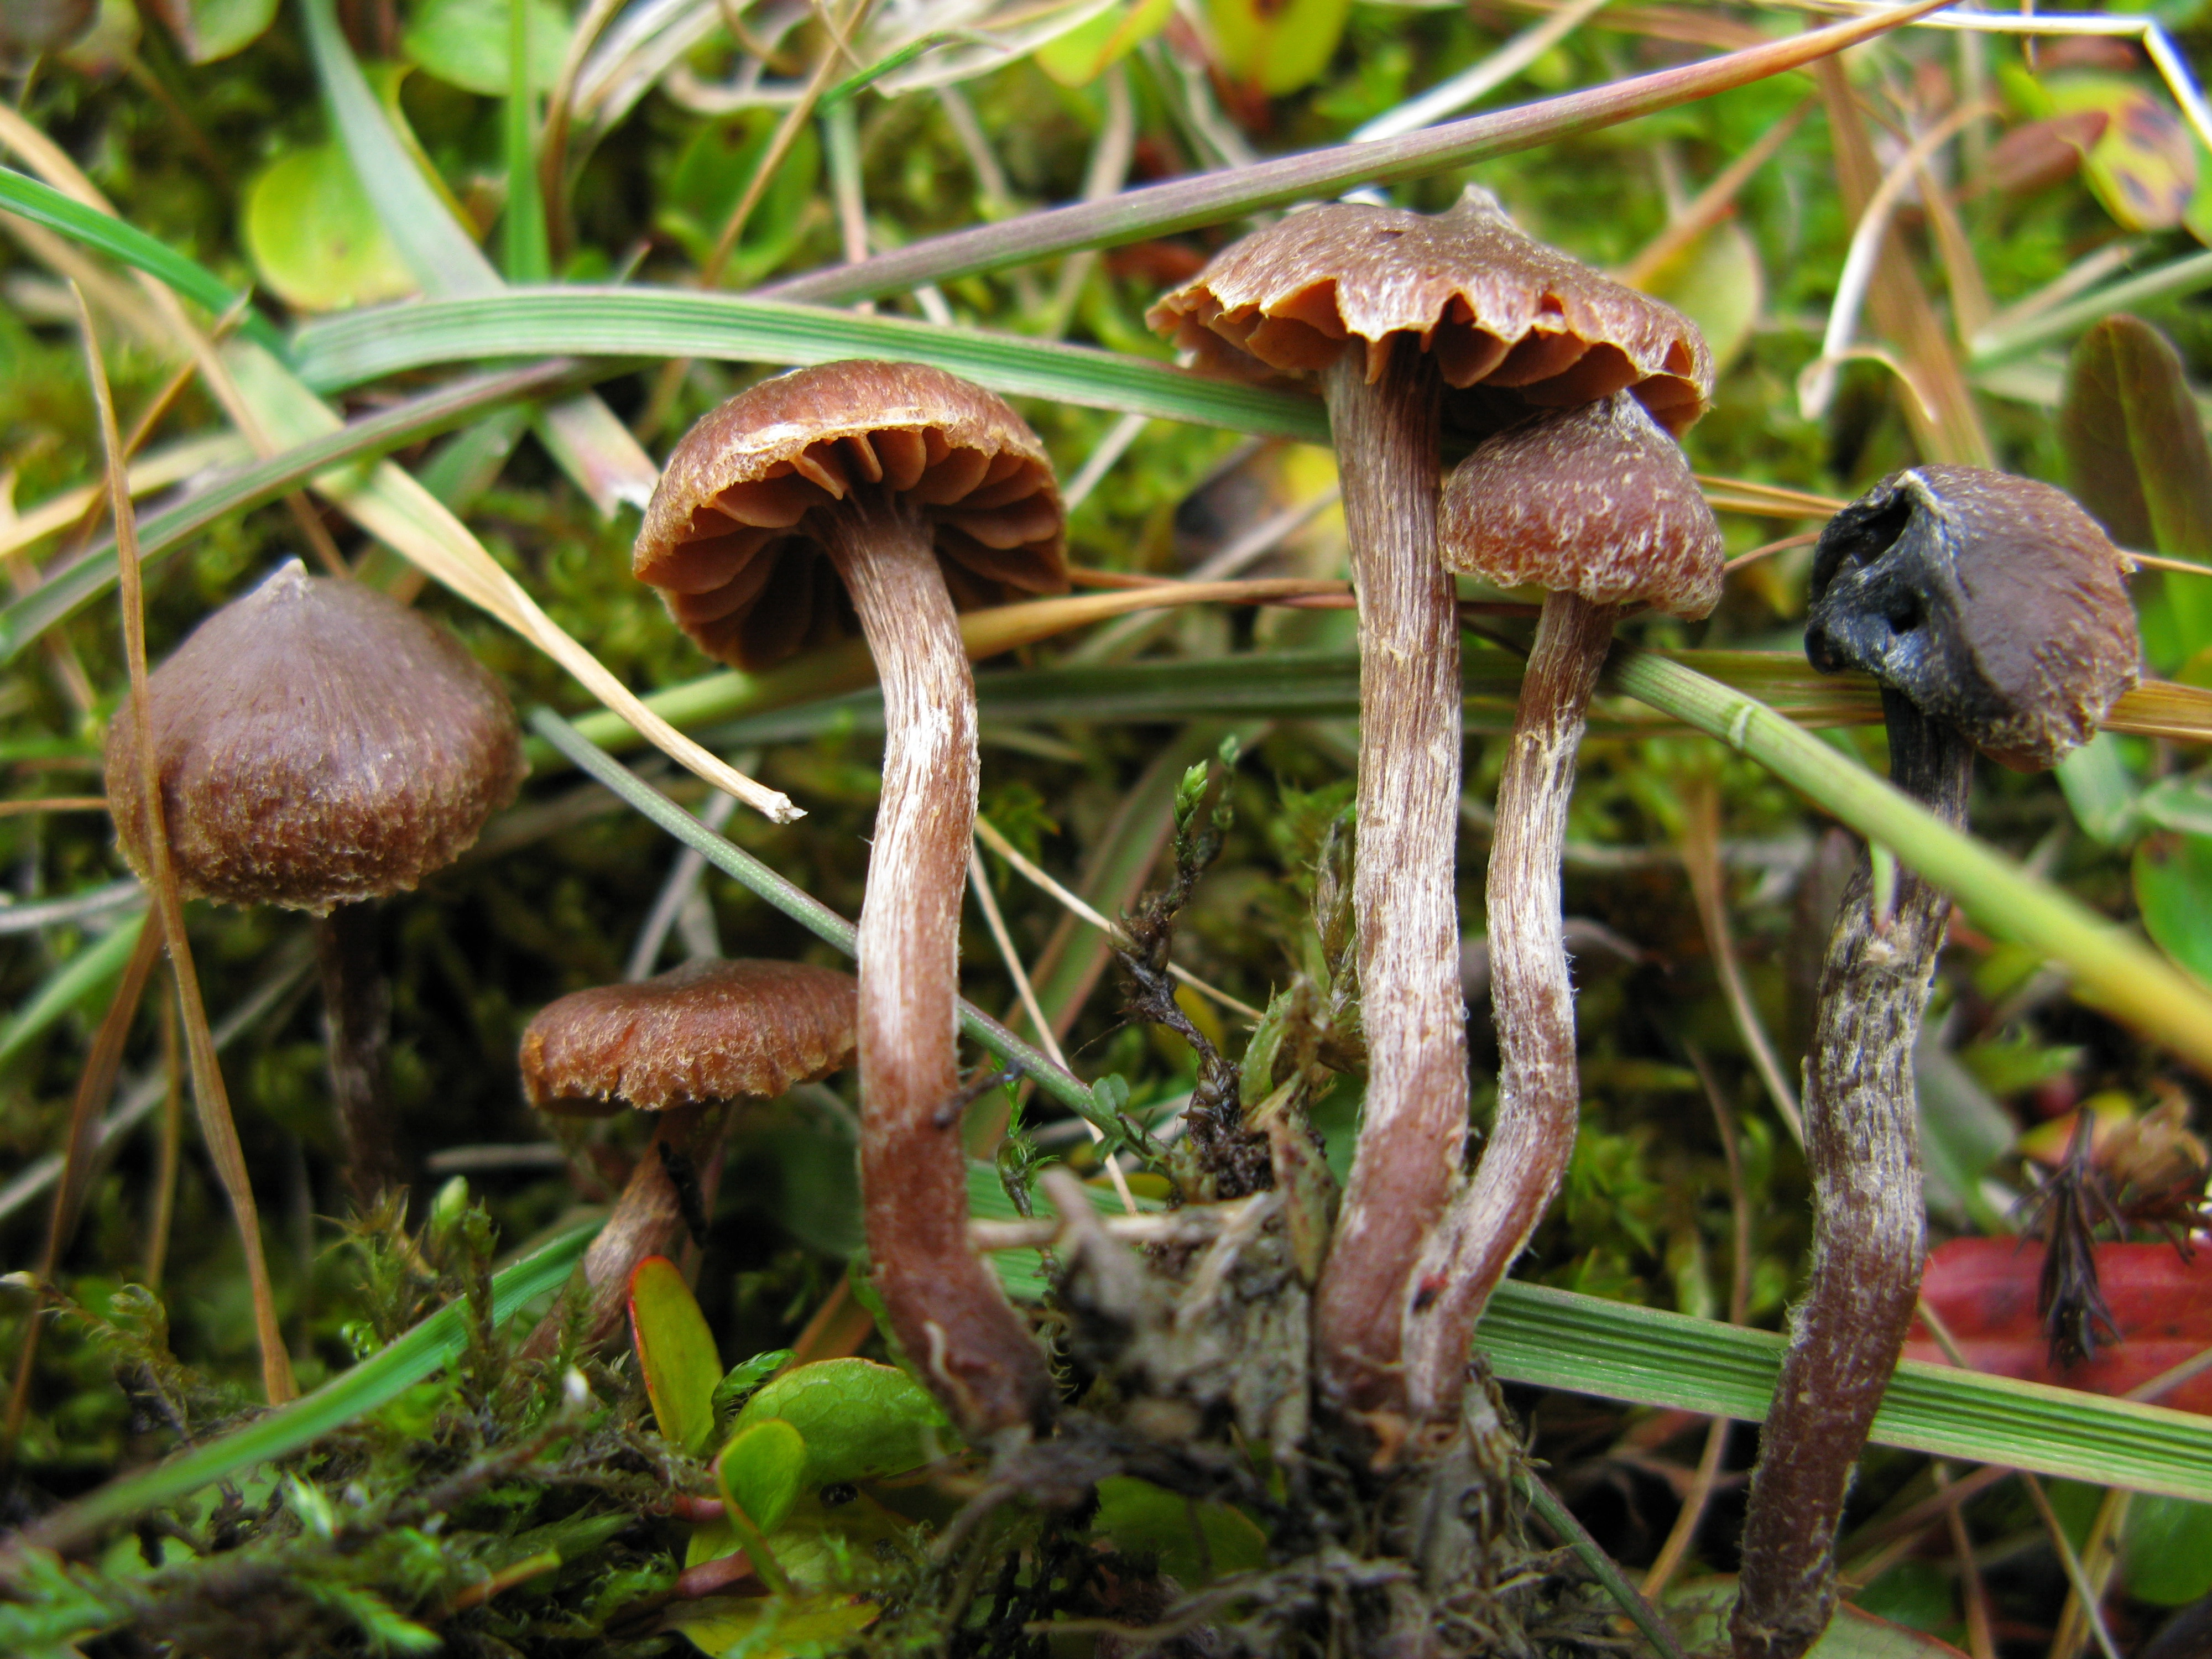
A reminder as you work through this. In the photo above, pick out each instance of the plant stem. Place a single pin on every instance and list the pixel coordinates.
(1413, 1123)
(1862, 1146)
(943, 1301)
(1539, 1090)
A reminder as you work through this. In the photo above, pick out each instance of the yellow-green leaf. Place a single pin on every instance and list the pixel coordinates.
(466, 43)
(1276, 47)
(762, 1471)
(772, 1627)
(676, 1351)
(2143, 167)
(1090, 49)
(314, 239)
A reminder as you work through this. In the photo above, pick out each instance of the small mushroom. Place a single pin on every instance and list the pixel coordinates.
(1596, 506)
(1990, 609)
(916, 488)
(686, 1046)
(320, 746)
(1408, 322)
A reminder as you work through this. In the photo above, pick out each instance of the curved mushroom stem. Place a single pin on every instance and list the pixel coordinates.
(1539, 1090)
(357, 1013)
(1862, 1145)
(1413, 1124)
(649, 1219)
(943, 1299)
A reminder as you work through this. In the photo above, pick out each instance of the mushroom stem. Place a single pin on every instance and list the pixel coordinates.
(1862, 1146)
(1539, 1090)
(1413, 1123)
(942, 1300)
(357, 1015)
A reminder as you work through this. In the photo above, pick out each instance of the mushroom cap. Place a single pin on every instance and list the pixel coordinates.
(726, 536)
(318, 742)
(1595, 501)
(1992, 601)
(1513, 325)
(709, 1031)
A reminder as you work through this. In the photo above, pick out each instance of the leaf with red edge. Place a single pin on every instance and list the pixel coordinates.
(1983, 1290)
(676, 1351)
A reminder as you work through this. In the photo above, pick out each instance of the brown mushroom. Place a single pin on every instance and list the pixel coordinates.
(320, 745)
(685, 1045)
(1408, 321)
(1990, 609)
(1597, 506)
(916, 488)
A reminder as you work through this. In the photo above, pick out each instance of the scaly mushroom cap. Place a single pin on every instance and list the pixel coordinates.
(726, 537)
(318, 742)
(1595, 501)
(1512, 324)
(708, 1031)
(1992, 601)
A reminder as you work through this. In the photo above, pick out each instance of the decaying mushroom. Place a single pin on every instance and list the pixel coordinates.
(1990, 609)
(686, 1046)
(1596, 506)
(914, 487)
(1407, 320)
(320, 746)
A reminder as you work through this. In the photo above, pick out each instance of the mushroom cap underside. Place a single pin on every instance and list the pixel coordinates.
(1595, 501)
(317, 744)
(710, 1030)
(1992, 601)
(1512, 324)
(726, 537)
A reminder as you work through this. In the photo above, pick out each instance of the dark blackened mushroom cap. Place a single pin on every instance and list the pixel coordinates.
(1513, 325)
(1992, 601)
(318, 742)
(726, 537)
(1595, 501)
(708, 1031)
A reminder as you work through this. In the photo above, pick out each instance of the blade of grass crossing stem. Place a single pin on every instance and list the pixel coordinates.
(247, 487)
(217, 1127)
(42, 204)
(593, 447)
(393, 507)
(377, 1381)
(80, 1139)
(1191, 204)
(1617, 1351)
(2116, 972)
(796, 903)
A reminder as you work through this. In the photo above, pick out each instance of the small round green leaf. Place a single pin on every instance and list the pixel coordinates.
(464, 43)
(314, 237)
(861, 1421)
(761, 1472)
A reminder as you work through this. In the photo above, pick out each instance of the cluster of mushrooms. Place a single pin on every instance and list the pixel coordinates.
(320, 745)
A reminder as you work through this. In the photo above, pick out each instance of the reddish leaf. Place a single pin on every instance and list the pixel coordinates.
(1983, 1290)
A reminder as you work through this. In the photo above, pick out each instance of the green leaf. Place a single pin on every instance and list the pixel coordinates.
(42, 204)
(1718, 280)
(2143, 167)
(525, 254)
(776, 1627)
(676, 1351)
(464, 43)
(715, 168)
(212, 30)
(2173, 889)
(1090, 49)
(2167, 1551)
(762, 1470)
(860, 1420)
(1196, 1543)
(314, 237)
(89, 974)
(1276, 47)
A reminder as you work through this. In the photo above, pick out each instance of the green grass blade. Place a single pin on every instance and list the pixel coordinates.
(2112, 969)
(1214, 197)
(376, 1380)
(83, 976)
(1560, 1339)
(794, 901)
(42, 204)
(2167, 282)
(449, 406)
(359, 346)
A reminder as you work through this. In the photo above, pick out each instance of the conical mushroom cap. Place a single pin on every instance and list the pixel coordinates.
(1595, 501)
(708, 1031)
(726, 539)
(1513, 325)
(1992, 601)
(318, 742)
